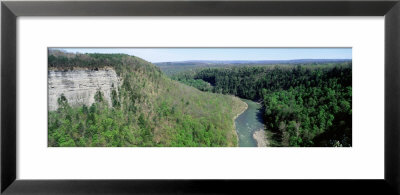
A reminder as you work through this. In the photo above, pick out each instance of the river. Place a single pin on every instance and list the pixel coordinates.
(248, 122)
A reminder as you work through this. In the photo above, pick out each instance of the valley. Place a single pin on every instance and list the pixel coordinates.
(120, 100)
(306, 105)
(145, 108)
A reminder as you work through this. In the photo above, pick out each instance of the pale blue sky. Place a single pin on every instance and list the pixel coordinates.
(183, 54)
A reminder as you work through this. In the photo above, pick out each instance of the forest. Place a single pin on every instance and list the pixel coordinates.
(172, 68)
(304, 105)
(147, 109)
(193, 104)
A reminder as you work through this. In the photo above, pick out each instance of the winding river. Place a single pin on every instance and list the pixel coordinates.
(248, 122)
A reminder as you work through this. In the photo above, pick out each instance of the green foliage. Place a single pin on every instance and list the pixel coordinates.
(307, 105)
(297, 120)
(62, 101)
(94, 61)
(147, 109)
(197, 83)
(98, 97)
(248, 82)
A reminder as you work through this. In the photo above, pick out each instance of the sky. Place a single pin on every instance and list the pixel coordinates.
(183, 54)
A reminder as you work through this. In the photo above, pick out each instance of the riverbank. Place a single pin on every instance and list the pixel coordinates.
(261, 138)
(248, 122)
(241, 110)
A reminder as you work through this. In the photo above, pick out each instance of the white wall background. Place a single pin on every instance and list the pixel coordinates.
(364, 160)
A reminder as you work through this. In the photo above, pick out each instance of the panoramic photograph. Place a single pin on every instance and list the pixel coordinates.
(199, 97)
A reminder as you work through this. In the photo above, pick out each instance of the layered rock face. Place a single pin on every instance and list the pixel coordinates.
(80, 86)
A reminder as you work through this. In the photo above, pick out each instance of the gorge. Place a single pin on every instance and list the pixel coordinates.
(118, 100)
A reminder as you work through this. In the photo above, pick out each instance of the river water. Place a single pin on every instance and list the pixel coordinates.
(248, 122)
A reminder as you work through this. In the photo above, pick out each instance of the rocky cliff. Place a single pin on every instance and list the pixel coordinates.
(80, 86)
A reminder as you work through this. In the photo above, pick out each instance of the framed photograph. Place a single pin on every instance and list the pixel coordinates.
(221, 97)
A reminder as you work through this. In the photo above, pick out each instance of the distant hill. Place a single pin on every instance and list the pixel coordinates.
(294, 61)
(171, 68)
(305, 105)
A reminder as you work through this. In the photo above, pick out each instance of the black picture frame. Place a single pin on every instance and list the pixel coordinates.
(10, 10)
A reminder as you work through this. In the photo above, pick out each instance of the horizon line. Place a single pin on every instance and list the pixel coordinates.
(254, 60)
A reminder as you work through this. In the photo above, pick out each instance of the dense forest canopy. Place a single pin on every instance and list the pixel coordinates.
(59, 60)
(305, 105)
(148, 109)
(172, 68)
